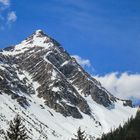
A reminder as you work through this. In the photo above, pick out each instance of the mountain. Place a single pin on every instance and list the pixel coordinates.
(53, 94)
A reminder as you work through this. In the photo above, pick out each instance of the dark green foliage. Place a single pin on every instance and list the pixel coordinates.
(130, 130)
(80, 135)
(16, 130)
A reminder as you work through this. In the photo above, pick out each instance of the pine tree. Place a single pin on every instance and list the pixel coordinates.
(129, 131)
(80, 135)
(17, 130)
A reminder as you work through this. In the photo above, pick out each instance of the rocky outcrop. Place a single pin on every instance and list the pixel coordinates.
(128, 103)
(39, 65)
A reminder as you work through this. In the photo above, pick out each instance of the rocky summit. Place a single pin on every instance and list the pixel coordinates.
(54, 95)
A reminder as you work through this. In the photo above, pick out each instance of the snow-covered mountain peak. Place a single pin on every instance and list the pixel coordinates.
(40, 81)
(39, 34)
(39, 31)
(37, 40)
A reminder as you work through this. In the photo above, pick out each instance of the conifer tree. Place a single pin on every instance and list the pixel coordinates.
(17, 130)
(80, 135)
(129, 131)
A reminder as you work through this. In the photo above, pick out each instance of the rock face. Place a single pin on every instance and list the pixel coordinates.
(62, 82)
(40, 69)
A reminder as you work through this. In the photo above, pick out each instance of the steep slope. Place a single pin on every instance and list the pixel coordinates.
(54, 95)
(130, 130)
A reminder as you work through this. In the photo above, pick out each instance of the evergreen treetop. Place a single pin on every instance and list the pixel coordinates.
(17, 130)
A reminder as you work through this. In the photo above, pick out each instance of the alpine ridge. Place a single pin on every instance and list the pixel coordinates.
(53, 94)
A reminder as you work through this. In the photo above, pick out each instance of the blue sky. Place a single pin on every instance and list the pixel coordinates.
(106, 33)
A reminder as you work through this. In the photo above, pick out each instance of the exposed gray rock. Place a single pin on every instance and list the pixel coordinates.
(63, 83)
(128, 103)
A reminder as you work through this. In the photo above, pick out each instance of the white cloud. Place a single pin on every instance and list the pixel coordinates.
(123, 85)
(12, 17)
(6, 19)
(5, 2)
(81, 61)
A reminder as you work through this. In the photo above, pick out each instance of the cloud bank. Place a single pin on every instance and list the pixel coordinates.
(125, 85)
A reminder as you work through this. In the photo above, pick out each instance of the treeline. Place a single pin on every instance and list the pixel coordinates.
(129, 131)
